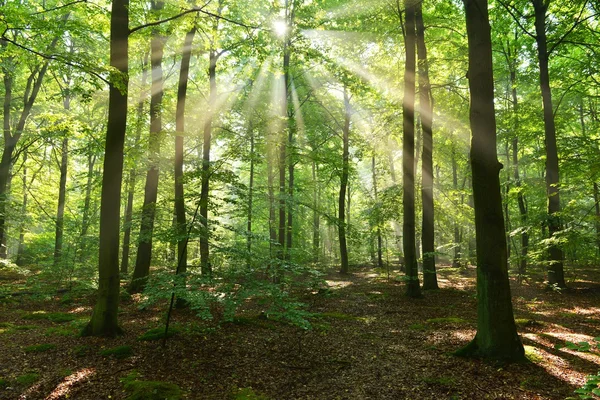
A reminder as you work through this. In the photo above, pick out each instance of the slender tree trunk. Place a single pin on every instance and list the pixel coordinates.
(205, 264)
(132, 179)
(186, 54)
(556, 276)
(144, 253)
(104, 318)
(316, 217)
(21, 248)
(62, 191)
(456, 261)
(377, 221)
(344, 269)
(250, 197)
(496, 336)
(283, 150)
(426, 113)
(597, 223)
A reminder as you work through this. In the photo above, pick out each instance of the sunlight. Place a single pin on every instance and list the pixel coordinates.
(280, 28)
(63, 388)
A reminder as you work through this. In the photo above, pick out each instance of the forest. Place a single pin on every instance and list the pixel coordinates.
(300, 199)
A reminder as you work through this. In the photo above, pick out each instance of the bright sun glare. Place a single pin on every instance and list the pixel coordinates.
(280, 28)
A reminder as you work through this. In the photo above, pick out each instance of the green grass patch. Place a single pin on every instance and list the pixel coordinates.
(56, 317)
(447, 320)
(150, 390)
(158, 333)
(28, 379)
(527, 323)
(446, 381)
(119, 352)
(4, 383)
(532, 354)
(39, 348)
(248, 394)
(59, 331)
(81, 351)
(418, 327)
(25, 327)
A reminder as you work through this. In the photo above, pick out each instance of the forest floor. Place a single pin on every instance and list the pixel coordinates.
(369, 342)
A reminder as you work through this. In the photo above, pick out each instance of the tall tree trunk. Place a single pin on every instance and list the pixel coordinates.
(496, 336)
(408, 155)
(597, 223)
(186, 54)
(144, 253)
(456, 261)
(62, 191)
(283, 148)
(556, 275)
(250, 196)
(132, 179)
(316, 217)
(104, 318)
(377, 221)
(205, 264)
(85, 219)
(344, 269)
(426, 113)
(21, 248)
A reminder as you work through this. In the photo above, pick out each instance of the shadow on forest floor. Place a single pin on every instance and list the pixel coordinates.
(368, 342)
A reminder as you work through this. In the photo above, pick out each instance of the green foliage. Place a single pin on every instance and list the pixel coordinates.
(81, 351)
(447, 320)
(591, 388)
(159, 333)
(446, 381)
(39, 348)
(532, 354)
(247, 394)
(150, 390)
(56, 317)
(583, 347)
(28, 379)
(4, 383)
(60, 331)
(119, 352)
(418, 327)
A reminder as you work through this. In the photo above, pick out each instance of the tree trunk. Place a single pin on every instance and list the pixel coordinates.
(496, 336)
(456, 261)
(426, 113)
(205, 264)
(62, 191)
(144, 253)
(21, 248)
(186, 54)
(408, 155)
(344, 269)
(316, 217)
(104, 318)
(556, 275)
(597, 222)
(250, 197)
(377, 220)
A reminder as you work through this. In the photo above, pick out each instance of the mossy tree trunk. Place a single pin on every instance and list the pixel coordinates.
(496, 336)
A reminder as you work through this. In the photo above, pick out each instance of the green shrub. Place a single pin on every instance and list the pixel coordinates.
(591, 387)
(28, 379)
(39, 348)
(158, 333)
(150, 390)
(119, 352)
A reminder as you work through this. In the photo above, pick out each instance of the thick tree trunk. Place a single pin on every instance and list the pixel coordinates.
(426, 113)
(496, 337)
(144, 253)
(186, 54)
(205, 264)
(556, 275)
(408, 155)
(344, 269)
(104, 318)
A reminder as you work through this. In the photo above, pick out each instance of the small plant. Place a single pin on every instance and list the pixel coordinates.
(39, 348)
(150, 390)
(417, 327)
(532, 355)
(25, 327)
(446, 320)
(584, 347)
(119, 352)
(81, 351)
(56, 317)
(248, 394)
(58, 331)
(158, 333)
(4, 383)
(28, 379)
(591, 387)
(445, 381)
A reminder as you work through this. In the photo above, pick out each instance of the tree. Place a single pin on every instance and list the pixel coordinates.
(104, 318)
(496, 336)
(408, 154)
(344, 268)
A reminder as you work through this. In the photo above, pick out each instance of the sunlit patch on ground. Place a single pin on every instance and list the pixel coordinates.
(81, 310)
(63, 389)
(335, 285)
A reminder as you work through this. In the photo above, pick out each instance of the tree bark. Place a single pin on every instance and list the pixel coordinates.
(186, 54)
(144, 253)
(316, 217)
(556, 275)
(21, 248)
(62, 191)
(344, 268)
(250, 197)
(408, 155)
(377, 220)
(104, 318)
(496, 336)
(426, 113)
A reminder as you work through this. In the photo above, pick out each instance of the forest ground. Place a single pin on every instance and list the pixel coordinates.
(369, 342)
